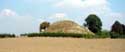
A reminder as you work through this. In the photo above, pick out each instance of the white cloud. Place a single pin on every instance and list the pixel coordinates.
(80, 3)
(87, 6)
(58, 16)
(116, 15)
(38, 1)
(7, 12)
(99, 7)
(54, 17)
(76, 10)
(12, 23)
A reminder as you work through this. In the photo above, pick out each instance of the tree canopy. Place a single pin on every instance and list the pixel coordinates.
(44, 25)
(117, 27)
(94, 23)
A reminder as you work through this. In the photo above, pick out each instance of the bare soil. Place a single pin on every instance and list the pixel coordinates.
(51, 44)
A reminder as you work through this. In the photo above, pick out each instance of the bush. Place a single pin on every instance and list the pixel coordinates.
(48, 34)
(102, 34)
(7, 35)
(88, 36)
(117, 35)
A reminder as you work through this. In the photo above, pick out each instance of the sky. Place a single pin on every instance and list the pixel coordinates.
(24, 16)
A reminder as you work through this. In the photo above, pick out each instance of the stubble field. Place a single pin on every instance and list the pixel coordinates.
(51, 44)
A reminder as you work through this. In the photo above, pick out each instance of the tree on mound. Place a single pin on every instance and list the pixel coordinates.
(94, 23)
(43, 26)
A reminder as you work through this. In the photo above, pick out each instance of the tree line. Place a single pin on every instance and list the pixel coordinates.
(94, 24)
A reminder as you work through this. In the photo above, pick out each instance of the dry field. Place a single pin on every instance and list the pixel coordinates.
(47, 44)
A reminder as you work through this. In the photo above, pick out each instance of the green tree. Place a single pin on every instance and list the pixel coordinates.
(117, 30)
(44, 25)
(123, 26)
(117, 27)
(94, 23)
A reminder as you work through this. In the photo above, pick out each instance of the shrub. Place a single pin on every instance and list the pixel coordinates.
(48, 34)
(102, 34)
(7, 35)
(117, 35)
(88, 36)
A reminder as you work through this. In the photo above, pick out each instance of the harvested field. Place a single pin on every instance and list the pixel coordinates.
(51, 44)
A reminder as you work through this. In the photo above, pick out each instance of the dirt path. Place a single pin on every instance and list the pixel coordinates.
(47, 44)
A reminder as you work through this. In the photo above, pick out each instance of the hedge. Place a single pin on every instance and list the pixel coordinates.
(61, 34)
(48, 34)
(117, 35)
(7, 35)
(103, 34)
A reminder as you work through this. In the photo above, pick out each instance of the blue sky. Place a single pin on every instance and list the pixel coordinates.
(23, 16)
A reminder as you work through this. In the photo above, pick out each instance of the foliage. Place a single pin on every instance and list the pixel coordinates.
(7, 35)
(123, 26)
(117, 35)
(88, 36)
(103, 34)
(117, 30)
(93, 23)
(48, 34)
(44, 25)
(117, 27)
(61, 34)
